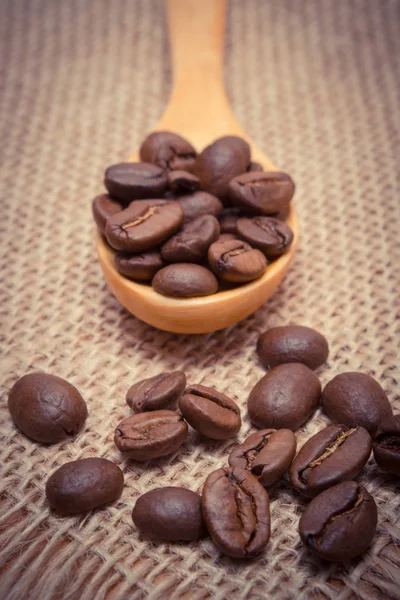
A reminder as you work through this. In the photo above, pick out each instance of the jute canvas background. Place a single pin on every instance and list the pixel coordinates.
(316, 83)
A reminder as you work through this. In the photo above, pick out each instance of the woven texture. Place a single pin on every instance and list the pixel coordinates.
(316, 84)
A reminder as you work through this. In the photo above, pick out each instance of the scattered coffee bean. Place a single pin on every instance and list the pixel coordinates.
(149, 435)
(185, 280)
(171, 514)
(236, 512)
(197, 204)
(157, 393)
(225, 158)
(144, 225)
(139, 267)
(387, 446)
(335, 454)
(267, 454)
(261, 193)
(183, 182)
(192, 241)
(169, 151)
(254, 167)
(228, 221)
(135, 181)
(224, 237)
(290, 344)
(81, 485)
(236, 261)
(210, 412)
(285, 397)
(272, 236)
(340, 523)
(46, 408)
(103, 207)
(356, 399)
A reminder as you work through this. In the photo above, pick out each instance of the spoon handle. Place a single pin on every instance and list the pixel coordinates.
(196, 34)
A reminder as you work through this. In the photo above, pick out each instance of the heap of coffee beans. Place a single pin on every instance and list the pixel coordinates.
(168, 215)
(340, 521)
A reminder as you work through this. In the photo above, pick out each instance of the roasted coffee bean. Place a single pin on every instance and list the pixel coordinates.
(290, 344)
(171, 513)
(183, 182)
(46, 408)
(285, 397)
(236, 261)
(150, 435)
(134, 181)
(82, 485)
(272, 236)
(261, 193)
(335, 454)
(169, 151)
(228, 221)
(192, 241)
(267, 454)
(210, 412)
(103, 207)
(139, 267)
(185, 280)
(197, 204)
(340, 523)
(159, 392)
(236, 512)
(387, 446)
(225, 158)
(254, 167)
(356, 399)
(144, 225)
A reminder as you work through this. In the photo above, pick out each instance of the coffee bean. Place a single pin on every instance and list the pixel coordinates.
(261, 193)
(254, 167)
(292, 343)
(197, 204)
(228, 221)
(149, 435)
(139, 267)
(285, 397)
(236, 261)
(340, 523)
(272, 236)
(267, 454)
(335, 454)
(144, 225)
(134, 181)
(356, 399)
(169, 151)
(225, 158)
(171, 514)
(159, 392)
(104, 206)
(81, 485)
(192, 241)
(185, 280)
(387, 446)
(46, 408)
(236, 512)
(183, 182)
(210, 412)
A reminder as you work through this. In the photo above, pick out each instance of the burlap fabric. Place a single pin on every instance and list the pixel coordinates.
(316, 84)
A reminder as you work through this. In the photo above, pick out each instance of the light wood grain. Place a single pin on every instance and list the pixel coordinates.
(199, 110)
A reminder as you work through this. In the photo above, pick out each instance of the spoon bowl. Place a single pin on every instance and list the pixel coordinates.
(199, 111)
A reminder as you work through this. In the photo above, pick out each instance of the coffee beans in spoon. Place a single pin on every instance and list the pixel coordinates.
(151, 204)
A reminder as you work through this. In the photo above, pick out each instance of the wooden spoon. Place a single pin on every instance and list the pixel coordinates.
(199, 111)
